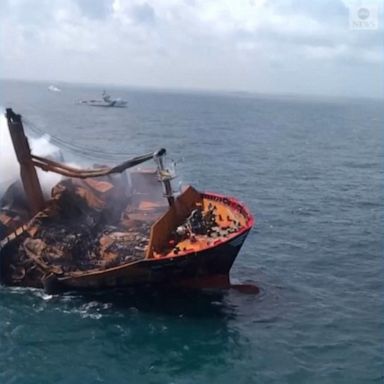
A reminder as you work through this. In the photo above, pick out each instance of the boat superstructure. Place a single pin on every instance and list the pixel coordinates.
(106, 101)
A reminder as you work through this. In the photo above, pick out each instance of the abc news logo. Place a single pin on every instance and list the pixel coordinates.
(364, 17)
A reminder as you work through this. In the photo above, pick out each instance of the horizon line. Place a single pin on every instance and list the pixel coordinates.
(188, 89)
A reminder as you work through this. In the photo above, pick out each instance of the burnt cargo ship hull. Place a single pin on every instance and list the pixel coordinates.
(201, 258)
(203, 269)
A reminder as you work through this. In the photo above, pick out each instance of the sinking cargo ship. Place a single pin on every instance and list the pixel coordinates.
(110, 227)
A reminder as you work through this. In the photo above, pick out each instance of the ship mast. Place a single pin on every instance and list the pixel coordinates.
(28, 173)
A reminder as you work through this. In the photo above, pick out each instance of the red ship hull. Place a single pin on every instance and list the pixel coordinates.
(209, 267)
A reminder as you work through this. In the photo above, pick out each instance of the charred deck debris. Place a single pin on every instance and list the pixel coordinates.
(88, 225)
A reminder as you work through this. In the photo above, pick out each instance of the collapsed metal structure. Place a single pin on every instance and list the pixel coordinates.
(28, 162)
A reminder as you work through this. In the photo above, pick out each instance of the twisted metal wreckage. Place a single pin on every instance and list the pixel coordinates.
(105, 227)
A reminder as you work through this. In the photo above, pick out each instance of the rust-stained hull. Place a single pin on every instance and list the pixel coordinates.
(209, 262)
(181, 270)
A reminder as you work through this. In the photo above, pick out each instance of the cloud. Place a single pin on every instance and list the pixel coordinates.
(95, 9)
(256, 45)
(143, 13)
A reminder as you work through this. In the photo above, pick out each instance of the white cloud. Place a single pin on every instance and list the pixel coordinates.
(243, 44)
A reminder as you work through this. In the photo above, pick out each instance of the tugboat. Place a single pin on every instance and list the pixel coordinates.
(107, 101)
(108, 227)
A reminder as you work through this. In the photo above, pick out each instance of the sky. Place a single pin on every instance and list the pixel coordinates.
(262, 46)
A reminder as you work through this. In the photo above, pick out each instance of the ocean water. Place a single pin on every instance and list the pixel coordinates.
(310, 170)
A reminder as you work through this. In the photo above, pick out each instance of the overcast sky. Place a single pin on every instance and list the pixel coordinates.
(267, 46)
